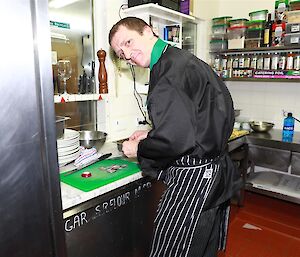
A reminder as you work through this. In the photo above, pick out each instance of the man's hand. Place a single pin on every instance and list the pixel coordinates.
(130, 147)
(139, 135)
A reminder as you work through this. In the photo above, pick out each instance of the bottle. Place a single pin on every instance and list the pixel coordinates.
(282, 62)
(267, 62)
(288, 128)
(297, 62)
(268, 32)
(275, 61)
(290, 61)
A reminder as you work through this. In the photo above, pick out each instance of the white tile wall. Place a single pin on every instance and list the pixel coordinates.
(266, 100)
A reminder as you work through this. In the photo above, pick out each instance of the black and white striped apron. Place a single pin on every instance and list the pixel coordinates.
(183, 228)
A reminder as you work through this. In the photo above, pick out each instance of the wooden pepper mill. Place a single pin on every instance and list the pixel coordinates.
(102, 74)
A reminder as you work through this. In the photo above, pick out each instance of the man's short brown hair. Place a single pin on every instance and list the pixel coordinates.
(132, 23)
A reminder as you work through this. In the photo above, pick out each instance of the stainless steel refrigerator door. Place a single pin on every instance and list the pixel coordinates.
(30, 202)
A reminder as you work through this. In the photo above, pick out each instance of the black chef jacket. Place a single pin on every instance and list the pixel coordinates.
(191, 111)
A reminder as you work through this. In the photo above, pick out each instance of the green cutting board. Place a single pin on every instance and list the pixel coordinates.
(99, 174)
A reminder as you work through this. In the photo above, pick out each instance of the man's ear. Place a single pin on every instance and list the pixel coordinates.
(148, 31)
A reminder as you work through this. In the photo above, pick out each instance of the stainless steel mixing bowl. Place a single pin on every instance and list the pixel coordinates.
(92, 138)
(261, 126)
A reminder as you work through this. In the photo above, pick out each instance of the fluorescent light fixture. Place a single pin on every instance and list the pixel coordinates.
(61, 3)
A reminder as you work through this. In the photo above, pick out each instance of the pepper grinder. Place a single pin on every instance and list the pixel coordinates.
(102, 74)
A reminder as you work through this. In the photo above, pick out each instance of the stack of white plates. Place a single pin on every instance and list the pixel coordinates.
(68, 147)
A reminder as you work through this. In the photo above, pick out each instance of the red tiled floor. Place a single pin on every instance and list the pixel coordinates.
(274, 228)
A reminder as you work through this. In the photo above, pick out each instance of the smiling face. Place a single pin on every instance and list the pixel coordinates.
(134, 47)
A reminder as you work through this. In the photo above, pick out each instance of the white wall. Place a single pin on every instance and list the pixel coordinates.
(118, 112)
(265, 101)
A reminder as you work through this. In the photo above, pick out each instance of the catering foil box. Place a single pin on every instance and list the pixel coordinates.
(277, 74)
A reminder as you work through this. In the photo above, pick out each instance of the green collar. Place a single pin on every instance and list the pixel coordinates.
(157, 51)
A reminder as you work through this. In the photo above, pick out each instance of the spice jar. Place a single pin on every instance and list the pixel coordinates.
(253, 62)
(260, 62)
(290, 61)
(275, 61)
(267, 61)
(297, 62)
(282, 62)
(242, 61)
(235, 63)
(247, 61)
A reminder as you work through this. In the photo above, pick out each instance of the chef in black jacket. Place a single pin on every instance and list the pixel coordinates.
(192, 118)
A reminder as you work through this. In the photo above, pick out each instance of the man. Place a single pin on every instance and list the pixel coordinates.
(192, 117)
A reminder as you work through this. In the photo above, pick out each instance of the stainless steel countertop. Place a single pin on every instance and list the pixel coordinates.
(273, 139)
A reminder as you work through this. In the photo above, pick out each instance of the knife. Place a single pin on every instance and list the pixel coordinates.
(101, 158)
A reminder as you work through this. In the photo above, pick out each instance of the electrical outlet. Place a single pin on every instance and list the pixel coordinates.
(138, 121)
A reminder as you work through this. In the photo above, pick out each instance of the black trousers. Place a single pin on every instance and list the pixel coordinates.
(183, 228)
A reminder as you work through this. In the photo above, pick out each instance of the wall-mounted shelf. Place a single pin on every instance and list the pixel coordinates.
(77, 97)
(280, 49)
(162, 18)
(158, 11)
(237, 70)
(262, 80)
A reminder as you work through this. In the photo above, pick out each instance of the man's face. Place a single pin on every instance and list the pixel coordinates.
(133, 47)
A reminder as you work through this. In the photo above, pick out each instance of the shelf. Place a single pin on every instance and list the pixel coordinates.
(275, 184)
(262, 80)
(280, 49)
(159, 11)
(77, 97)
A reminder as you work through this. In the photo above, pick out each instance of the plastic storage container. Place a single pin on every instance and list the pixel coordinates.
(257, 24)
(258, 15)
(292, 28)
(255, 33)
(236, 32)
(295, 5)
(218, 45)
(219, 29)
(292, 39)
(288, 128)
(293, 17)
(254, 42)
(221, 20)
(237, 23)
(236, 37)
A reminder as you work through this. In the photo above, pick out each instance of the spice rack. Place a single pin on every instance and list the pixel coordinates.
(260, 64)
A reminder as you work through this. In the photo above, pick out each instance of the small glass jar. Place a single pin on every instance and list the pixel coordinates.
(242, 61)
(247, 62)
(282, 62)
(267, 62)
(297, 62)
(260, 62)
(275, 61)
(253, 64)
(235, 63)
(224, 62)
(290, 61)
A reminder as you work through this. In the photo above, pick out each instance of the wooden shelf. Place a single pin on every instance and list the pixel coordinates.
(262, 80)
(280, 49)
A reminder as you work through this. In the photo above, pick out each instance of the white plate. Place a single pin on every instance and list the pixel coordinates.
(62, 150)
(66, 159)
(66, 153)
(70, 137)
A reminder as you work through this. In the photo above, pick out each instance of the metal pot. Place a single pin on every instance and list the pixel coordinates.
(60, 126)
